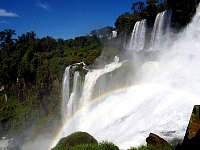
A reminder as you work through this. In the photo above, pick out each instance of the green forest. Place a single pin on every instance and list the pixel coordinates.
(31, 68)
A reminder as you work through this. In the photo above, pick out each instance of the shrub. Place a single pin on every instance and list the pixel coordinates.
(101, 146)
(74, 139)
(153, 148)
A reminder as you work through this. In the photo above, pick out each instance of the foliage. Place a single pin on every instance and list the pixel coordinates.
(6, 36)
(15, 116)
(100, 146)
(153, 148)
(183, 11)
(74, 139)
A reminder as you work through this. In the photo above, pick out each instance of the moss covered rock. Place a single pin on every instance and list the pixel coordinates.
(74, 139)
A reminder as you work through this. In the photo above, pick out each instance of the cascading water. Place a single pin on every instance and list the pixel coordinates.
(161, 102)
(91, 78)
(70, 98)
(137, 41)
(73, 102)
(114, 34)
(160, 30)
(65, 93)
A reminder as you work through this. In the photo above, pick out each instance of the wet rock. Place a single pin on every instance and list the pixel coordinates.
(156, 141)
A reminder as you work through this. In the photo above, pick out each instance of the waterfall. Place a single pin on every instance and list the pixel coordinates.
(73, 100)
(114, 34)
(91, 78)
(137, 41)
(65, 92)
(159, 35)
(160, 29)
(78, 97)
(70, 98)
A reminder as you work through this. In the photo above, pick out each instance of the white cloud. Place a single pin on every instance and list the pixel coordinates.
(44, 6)
(5, 13)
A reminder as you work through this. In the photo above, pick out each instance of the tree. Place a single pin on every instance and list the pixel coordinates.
(27, 38)
(141, 6)
(152, 2)
(183, 11)
(6, 36)
(134, 7)
(138, 7)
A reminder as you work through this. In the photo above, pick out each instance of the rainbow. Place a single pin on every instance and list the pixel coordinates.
(115, 91)
(56, 139)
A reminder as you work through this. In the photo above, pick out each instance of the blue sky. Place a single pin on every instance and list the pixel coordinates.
(60, 18)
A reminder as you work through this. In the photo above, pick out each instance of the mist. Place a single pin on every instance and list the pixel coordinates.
(41, 142)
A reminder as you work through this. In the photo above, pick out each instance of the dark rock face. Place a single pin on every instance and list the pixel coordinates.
(155, 140)
(76, 138)
(191, 144)
(194, 124)
(192, 137)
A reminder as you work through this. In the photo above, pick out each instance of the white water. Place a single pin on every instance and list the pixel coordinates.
(65, 93)
(70, 101)
(161, 103)
(128, 116)
(73, 102)
(91, 78)
(161, 26)
(4, 144)
(137, 41)
(114, 34)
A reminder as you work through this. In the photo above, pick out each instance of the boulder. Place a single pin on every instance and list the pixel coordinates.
(74, 139)
(156, 141)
